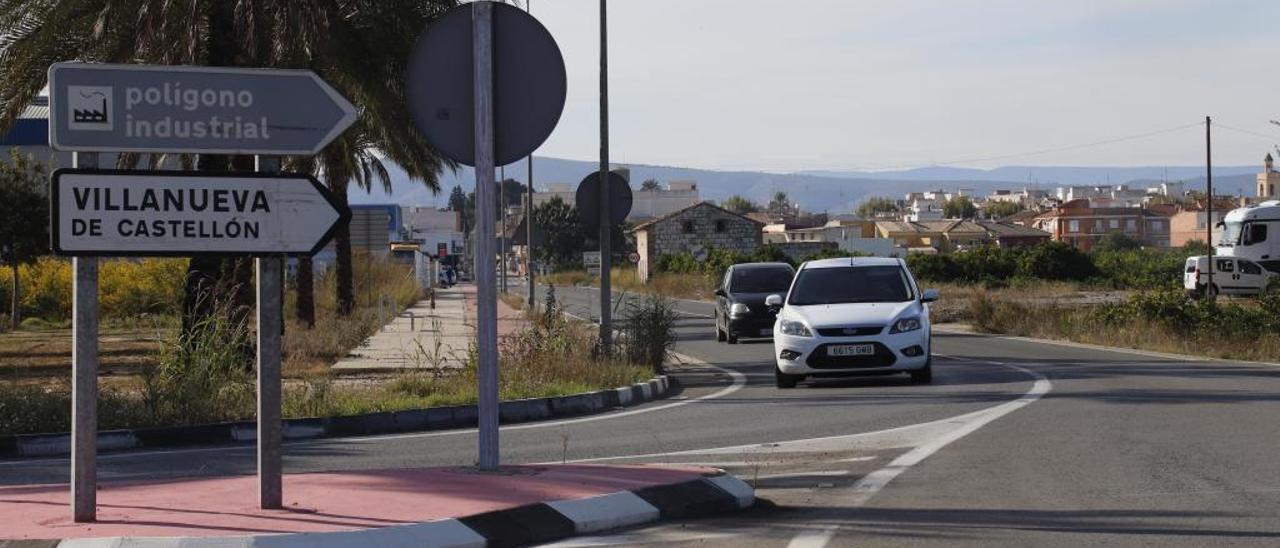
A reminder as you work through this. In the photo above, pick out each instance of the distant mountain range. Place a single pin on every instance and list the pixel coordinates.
(831, 191)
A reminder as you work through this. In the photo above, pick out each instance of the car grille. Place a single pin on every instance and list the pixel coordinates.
(883, 357)
(851, 331)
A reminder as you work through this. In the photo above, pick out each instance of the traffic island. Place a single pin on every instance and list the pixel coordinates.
(517, 505)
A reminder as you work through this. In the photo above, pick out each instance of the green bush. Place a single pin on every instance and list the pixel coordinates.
(1055, 261)
(648, 331)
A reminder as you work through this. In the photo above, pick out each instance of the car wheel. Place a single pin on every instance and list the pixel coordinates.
(924, 375)
(720, 336)
(784, 380)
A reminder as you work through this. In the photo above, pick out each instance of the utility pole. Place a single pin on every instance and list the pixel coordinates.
(606, 321)
(1208, 178)
(502, 238)
(528, 214)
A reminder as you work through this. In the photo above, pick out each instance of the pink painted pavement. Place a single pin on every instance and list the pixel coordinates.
(315, 502)
(510, 320)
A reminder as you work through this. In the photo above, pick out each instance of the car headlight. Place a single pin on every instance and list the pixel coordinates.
(739, 309)
(794, 328)
(904, 325)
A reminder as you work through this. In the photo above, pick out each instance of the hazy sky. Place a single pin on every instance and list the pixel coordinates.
(862, 84)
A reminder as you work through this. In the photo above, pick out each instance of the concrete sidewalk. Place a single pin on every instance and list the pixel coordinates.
(422, 338)
(419, 507)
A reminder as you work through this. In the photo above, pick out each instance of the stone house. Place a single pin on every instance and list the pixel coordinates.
(695, 229)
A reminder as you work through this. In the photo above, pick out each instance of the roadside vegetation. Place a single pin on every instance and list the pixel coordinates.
(1163, 320)
(207, 377)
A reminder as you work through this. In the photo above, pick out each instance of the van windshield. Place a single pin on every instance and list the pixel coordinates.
(857, 284)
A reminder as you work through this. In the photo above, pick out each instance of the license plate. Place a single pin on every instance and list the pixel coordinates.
(766, 332)
(851, 350)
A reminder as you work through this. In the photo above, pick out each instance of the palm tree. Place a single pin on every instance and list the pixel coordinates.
(361, 47)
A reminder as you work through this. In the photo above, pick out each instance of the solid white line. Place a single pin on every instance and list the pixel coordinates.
(872, 483)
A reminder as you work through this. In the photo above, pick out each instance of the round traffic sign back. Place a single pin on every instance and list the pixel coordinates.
(529, 84)
(587, 199)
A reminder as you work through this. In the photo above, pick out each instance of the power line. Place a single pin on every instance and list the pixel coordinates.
(1040, 151)
(1247, 132)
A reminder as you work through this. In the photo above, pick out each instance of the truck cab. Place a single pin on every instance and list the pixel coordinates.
(1252, 233)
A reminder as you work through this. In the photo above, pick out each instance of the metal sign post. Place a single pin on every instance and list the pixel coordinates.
(269, 273)
(84, 373)
(606, 316)
(470, 116)
(486, 294)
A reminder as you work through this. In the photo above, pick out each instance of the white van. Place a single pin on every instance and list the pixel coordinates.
(1231, 276)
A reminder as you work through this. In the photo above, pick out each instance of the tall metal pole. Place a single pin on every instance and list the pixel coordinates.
(269, 274)
(84, 374)
(528, 213)
(606, 320)
(528, 236)
(486, 297)
(1208, 178)
(502, 238)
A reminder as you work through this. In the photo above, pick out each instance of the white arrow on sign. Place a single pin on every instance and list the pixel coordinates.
(100, 107)
(185, 213)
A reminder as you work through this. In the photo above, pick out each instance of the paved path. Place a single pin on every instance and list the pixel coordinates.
(425, 338)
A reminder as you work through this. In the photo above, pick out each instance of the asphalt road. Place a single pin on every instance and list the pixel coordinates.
(1015, 442)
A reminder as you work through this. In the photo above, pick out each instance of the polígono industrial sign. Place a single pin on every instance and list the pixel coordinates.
(181, 109)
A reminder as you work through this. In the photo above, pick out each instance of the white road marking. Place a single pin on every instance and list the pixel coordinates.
(872, 483)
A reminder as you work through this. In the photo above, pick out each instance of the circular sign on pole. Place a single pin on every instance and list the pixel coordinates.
(588, 199)
(633, 257)
(528, 77)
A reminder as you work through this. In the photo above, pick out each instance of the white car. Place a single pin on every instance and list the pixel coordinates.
(853, 316)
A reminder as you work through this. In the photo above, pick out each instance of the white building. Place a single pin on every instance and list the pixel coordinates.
(565, 191)
(651, 204)
(438, 232)
(924, 209)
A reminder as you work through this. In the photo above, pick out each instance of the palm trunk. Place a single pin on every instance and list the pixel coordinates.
(15, 312)
(337, 179)
(306, 306)
(207, 275)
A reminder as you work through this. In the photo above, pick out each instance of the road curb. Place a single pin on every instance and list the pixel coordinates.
(394, 422)
(715, 494)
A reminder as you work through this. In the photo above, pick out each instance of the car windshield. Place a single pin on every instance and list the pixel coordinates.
(760, 280)
(858, 284)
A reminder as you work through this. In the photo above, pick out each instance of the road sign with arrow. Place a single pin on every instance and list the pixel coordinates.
(185, 213)
(206, 110)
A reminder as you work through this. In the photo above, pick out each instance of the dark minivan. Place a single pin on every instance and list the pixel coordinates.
(740, 307)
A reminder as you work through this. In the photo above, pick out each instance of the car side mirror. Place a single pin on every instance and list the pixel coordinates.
(720, 292)
(773, 302)
(929, 296)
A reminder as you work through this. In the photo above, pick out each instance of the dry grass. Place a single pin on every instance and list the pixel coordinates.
(540, 361)
(993, 313)
(677, 286)
(40, 353)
